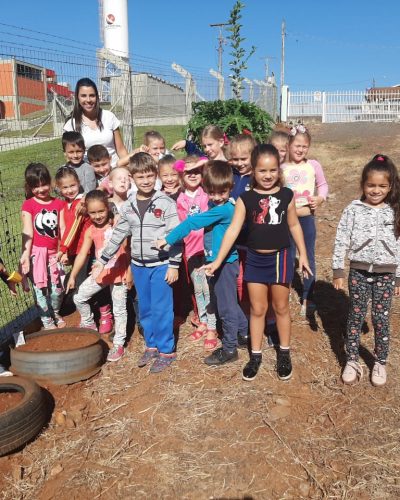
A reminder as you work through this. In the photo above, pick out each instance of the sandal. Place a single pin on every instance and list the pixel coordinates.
(199, 333)
(211, 344)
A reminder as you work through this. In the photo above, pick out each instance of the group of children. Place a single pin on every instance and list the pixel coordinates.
(230, 213)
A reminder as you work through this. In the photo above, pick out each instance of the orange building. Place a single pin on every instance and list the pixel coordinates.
(22, 88)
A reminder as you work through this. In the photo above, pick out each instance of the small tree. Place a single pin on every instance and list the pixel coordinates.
(239, 61)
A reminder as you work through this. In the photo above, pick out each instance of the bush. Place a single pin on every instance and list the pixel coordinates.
(232, 116)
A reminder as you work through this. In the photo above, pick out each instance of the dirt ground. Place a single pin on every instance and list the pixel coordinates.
(197, 432)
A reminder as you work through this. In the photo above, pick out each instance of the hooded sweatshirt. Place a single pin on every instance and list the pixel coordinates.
(367, 235)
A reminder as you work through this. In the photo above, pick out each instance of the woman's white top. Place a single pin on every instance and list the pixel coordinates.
(105, 137)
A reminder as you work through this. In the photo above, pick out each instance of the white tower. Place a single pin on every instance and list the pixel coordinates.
(115, 74)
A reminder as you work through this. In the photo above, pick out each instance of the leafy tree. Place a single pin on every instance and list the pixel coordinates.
(239, 62)
(232, 116)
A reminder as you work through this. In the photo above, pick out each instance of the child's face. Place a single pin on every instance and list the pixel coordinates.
(266, 172)
(282, 147)
(145, 182)
(192, 177)
(169, 177)
(212, 147)
(74, 154)
(298, 148)
(69, 187)
(376, 188)
(156, 148)
(98, 212)
(41, 192)
(241, 159)
(120, 181)
(102, 167)
(219, 197)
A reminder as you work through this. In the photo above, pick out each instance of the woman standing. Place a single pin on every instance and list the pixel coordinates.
(97, 126)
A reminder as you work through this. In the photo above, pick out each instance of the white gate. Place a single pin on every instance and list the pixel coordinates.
(370, 105)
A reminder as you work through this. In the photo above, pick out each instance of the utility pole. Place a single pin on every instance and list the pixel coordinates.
(283, 54)
(221, 41)
(266, 60)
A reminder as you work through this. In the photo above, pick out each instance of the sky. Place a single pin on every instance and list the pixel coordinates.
(341, 45)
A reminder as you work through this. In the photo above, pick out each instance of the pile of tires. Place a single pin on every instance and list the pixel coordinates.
(60, 367)
(26, 419)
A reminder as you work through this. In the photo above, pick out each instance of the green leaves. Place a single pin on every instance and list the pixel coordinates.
(238, 53)
(232, 116)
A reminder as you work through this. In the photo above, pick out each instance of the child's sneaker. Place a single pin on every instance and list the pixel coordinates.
(4, 372)
(49, 325)
(378, 376)
(284, 364)
(116, 353)
(162, 362)
(60, 321)
(90, 326)
(221, 356)
(243, 341)
(149, 354)
(352, 372)
(106, 320)
(251, 369)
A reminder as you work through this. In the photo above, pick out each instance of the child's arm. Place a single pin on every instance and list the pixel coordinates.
(192, 223)
(297, 235)
(342, 242)
(80, 260)
(175, 251)
(321, 185)
(229, 238)
(189, 146)
(27, 237)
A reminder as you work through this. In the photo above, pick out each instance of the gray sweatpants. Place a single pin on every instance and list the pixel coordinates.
(118, 294)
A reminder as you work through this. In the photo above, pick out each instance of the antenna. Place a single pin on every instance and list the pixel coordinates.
(266, 60)
(221, 42)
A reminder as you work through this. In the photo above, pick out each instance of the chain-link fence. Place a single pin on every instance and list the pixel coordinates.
(38, 73)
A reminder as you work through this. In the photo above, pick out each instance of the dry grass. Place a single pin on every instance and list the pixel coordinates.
(196, 432)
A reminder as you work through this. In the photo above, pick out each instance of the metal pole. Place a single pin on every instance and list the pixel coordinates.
(283, 55)
(221, 41)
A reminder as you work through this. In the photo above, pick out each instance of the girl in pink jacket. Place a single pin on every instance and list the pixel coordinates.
(191, 201)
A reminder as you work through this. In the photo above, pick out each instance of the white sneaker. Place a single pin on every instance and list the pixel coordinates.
(352, 372)
(6, 373)
(378, 375)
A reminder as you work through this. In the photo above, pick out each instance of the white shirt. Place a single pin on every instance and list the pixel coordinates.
(105, 137)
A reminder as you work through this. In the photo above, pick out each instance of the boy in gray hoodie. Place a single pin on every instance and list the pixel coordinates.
(149, 215)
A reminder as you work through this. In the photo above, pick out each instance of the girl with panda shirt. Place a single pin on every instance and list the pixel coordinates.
(40, 239)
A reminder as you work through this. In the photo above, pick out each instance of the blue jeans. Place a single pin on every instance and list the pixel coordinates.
(156, 308)
(233, 319)
(310, 234)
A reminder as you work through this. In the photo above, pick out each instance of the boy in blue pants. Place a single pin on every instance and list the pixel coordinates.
(149, 214)
(218, 182)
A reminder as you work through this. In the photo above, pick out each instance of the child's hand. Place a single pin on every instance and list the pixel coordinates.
(397, 290)
(179, 145)
(304, 266)
(209, 269)
(315, 201)
(80, 208)
(97, 268)
(129, 279)
(171, 276)
(24, 263)
(70, 284)
(160, 244)
(12, 287)
(338, 283)
(64, 259)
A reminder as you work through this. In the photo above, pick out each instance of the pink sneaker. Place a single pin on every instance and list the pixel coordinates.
(90, 326)
(116, 353)
(106, 320)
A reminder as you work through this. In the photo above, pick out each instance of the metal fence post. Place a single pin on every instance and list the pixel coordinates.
(285, 100)
(323, 107)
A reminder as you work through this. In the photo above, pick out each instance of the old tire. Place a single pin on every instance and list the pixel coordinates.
(24, 421)
(60, 367)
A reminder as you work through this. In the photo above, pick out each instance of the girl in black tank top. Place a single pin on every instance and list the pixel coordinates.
(270, 213)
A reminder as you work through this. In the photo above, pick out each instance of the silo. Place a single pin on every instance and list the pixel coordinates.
(115, 27)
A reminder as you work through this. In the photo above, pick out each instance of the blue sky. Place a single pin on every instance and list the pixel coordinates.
(329, 45)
